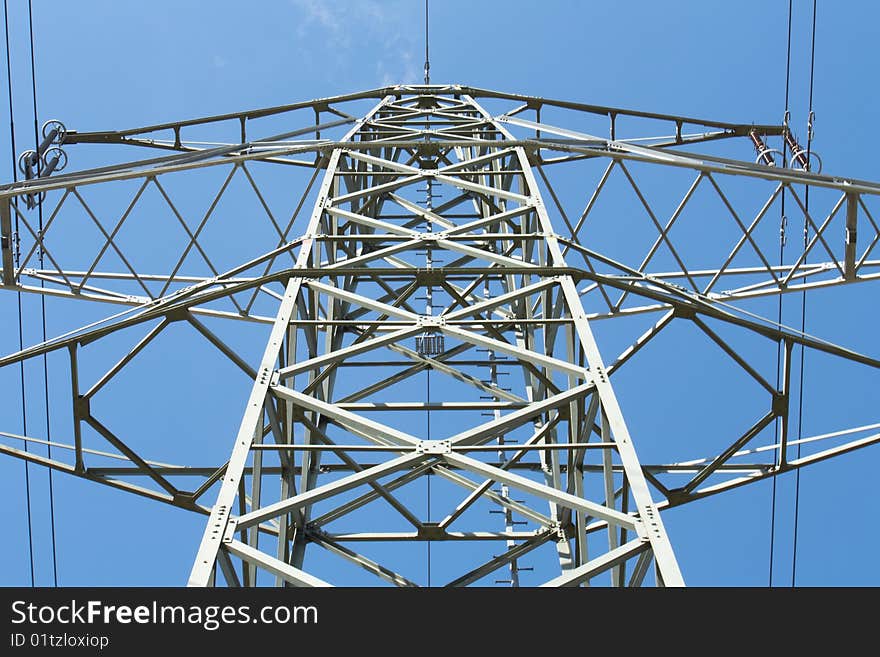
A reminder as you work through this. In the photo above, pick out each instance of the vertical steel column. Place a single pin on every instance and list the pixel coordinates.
(667, 565)
(217, 528)
(7, 242)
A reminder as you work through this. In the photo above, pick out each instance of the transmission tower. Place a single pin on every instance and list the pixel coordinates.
(419, 324)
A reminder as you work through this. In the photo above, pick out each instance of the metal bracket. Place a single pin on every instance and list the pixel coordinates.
(7, 243)
(648, 525)
(434, 447)
(780, 404)
(559, 530)
(81, 407)
(229, 533)
(431, 531)
(431, 321)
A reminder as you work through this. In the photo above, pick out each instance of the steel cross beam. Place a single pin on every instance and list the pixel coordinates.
(494, 241)
(430, 255)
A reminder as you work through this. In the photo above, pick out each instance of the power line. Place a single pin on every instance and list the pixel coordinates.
(427, 59)
(43, 296)
(810, 117)
(27, 480)
(782, 222)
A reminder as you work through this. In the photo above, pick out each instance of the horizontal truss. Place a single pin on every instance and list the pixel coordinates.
(498, 288)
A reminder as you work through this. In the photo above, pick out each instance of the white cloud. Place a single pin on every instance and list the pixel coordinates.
(352, 29)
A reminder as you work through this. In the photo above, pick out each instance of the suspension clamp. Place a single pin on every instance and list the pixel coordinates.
(43, 162)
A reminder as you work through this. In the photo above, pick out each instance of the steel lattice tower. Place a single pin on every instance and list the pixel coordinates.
(438, 247)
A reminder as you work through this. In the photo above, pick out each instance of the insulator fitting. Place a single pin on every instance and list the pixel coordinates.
(801, 156)
(48, 158)
(430, 344)
(798, 154)
(765, 155)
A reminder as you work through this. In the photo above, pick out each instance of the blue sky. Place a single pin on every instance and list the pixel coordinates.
(109, 65)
